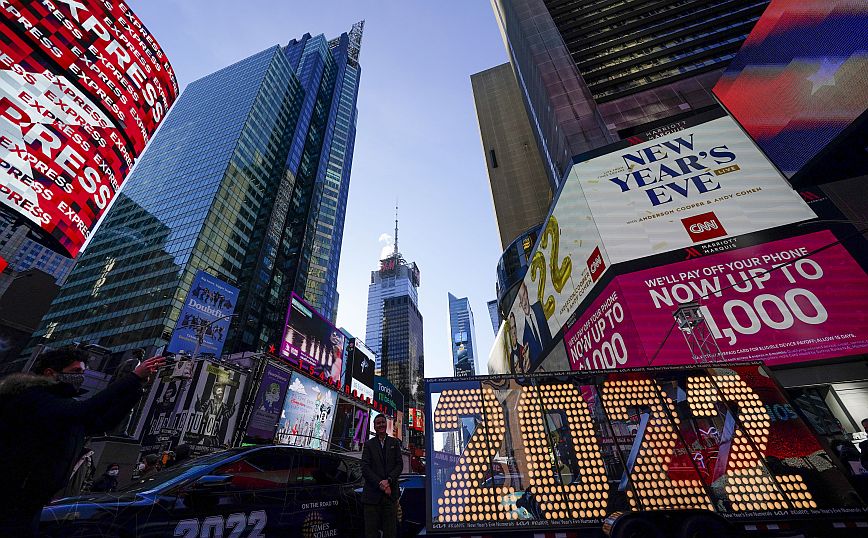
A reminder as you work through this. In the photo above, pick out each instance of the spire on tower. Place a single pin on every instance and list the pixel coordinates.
(395, 253)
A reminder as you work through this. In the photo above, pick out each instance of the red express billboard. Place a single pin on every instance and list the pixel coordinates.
(83, 86)
(782, 302)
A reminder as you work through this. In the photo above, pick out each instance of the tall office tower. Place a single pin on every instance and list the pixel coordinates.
(595, 72)
(395, 278)
(394, 326)
(462, 336)
(494, 313)
(520, 186)
(246, 180)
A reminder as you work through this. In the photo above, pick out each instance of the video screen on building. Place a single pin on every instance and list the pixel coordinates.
(308, 413)
(800, 78)
(83, 86)
(703, 182)
(312, 341)
(360, 368)
(549, 451)
(779, 301)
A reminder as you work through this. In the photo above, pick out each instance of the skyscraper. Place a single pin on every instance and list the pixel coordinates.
(494, 313)
(247, 180)
(520, 187)
(462, 336)
(593, 73)
(394, 326)
(395, 278)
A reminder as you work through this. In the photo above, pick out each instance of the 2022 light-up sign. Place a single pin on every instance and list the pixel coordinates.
(569, 450)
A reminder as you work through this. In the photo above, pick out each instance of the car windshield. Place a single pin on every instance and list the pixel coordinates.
(174, 474)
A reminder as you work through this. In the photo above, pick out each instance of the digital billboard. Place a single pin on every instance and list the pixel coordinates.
(800, 78)
(545, 451)
(83, 86)
(360, 368)
(200, 411)
(208, 307)
(268, 404)
(310, 339)
(703, 181)
(308, 412)
(786, 301)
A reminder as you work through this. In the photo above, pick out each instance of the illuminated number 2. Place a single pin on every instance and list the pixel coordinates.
(649, 473)
(560, 273)
(747, 486)
(464, 499)
(583, 498)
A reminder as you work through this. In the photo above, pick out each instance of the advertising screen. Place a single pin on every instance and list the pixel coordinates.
(703, 182)
(360, 368)
(787, 301)
(800, 78)
(542, 451)
(310, 339)
(268, 403)
(564, 266)
(83, 86)
(308, 412)
(209, 304)
(200, 411)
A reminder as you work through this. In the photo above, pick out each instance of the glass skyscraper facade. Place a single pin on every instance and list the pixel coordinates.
(596, 71)
(394, 329)
(247, 179)
(463, 336)
(395, 278)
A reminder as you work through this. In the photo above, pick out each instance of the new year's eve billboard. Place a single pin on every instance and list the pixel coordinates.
(547, 451)
(311, 340)
(200, 411)
(786, 301)
(208, 307)
(308, 412)
(800, 78)
(83, 86)
(703, 182)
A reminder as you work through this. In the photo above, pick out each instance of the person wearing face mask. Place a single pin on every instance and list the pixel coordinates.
(108, 482)
(43, 427)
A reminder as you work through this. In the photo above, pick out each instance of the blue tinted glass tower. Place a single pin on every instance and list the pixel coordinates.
(247, 179)
(463, 336)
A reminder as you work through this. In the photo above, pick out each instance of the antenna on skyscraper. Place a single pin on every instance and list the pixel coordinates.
(396, 228)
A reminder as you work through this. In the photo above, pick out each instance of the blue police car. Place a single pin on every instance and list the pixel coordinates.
(249, 492)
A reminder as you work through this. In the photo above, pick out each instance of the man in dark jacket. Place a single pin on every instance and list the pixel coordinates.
(43, 427)
(381, 467)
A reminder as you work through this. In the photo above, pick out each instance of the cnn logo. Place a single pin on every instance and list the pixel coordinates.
(703, 227)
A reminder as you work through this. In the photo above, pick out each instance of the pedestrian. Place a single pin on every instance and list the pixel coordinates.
(182, 454)
(108, 482)
(381, 467)
(863, 446)
(148, 466)
(43, 427)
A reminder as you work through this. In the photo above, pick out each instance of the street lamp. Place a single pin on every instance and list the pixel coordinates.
(202, 328)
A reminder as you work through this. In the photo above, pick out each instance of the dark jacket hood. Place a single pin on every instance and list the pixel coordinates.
(15, 384)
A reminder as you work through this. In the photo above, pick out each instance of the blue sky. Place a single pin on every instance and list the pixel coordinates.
(417, 140)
